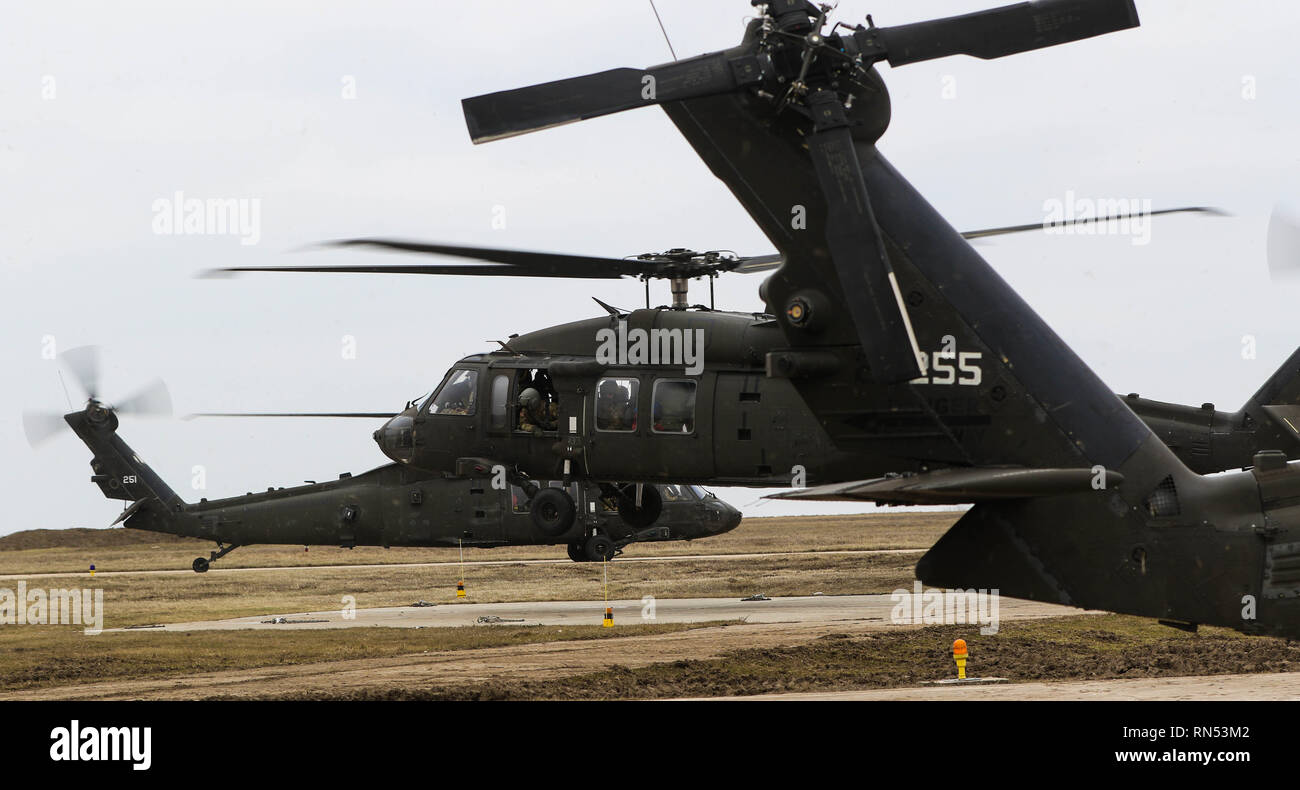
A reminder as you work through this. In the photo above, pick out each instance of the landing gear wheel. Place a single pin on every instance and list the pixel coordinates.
(553, 511)
(577, 553)
(599, 548)
(652, 504)
(200, 565)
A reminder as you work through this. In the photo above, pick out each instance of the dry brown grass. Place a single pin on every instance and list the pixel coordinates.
(171, 598)
(34, 657)
(784, 534)
(41, 656)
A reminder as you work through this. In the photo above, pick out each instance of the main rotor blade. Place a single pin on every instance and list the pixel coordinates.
(758, 263)
(39, 426)
(152, 400)
(1007, 30)
(468, 269)
(518, 263)
(83, 362)
(986, 232)
(857, 249)
(350, 414)
(522, 110)
(538, 264)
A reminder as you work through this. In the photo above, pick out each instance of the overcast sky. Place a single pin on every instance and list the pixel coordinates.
(107, 108)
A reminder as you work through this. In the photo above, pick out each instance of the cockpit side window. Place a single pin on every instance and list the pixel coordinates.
(500, 401)
(458, 395)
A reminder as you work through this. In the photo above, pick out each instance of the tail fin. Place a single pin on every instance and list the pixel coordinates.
(1150, 537)
(1274, 411)
(118, 470)
(1210, 441)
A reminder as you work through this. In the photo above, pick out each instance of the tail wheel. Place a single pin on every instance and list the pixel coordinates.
(553, 511)
(200, 565)
(599, 548)
(652, 504)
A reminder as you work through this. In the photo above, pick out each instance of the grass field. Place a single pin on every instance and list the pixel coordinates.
(738, 659)
(41, 657)
(54, 551)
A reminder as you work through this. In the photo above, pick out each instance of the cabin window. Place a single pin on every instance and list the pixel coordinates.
(545, 415)
(616, 402)
(457, 395)
(674, 406)
(500, 401)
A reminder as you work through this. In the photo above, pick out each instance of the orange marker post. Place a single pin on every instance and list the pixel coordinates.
(959, 654)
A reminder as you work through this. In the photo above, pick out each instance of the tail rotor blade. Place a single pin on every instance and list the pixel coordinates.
(508, 113)
(83, 363)
(1004, 31)
(152, 400)
(857, 249)
(40, 427)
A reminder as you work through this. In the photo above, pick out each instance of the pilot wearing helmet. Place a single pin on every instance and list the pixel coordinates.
(535, 416)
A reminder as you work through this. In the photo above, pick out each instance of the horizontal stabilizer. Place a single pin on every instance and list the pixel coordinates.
(129, 511)
(1287, 417)
(961, 486)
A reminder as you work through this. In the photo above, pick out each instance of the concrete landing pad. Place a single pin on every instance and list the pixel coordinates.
(808, 609)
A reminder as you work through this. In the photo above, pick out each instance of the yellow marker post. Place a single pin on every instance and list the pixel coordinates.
(92, 569)
(460, 585)
(608, 622)
(959, 654)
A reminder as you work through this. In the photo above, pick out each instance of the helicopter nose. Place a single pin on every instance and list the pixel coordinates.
(721, 517)
(396, 438)
(730, 518)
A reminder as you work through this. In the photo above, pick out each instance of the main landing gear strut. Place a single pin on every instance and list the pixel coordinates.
(201, 565)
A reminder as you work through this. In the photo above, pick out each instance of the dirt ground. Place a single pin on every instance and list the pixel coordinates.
(1057, 654)
(737, 660)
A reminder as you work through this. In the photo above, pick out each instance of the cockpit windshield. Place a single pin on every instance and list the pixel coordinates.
(457, 395)
(673, 492)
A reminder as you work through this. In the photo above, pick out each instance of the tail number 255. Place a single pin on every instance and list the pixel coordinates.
(950, 367)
